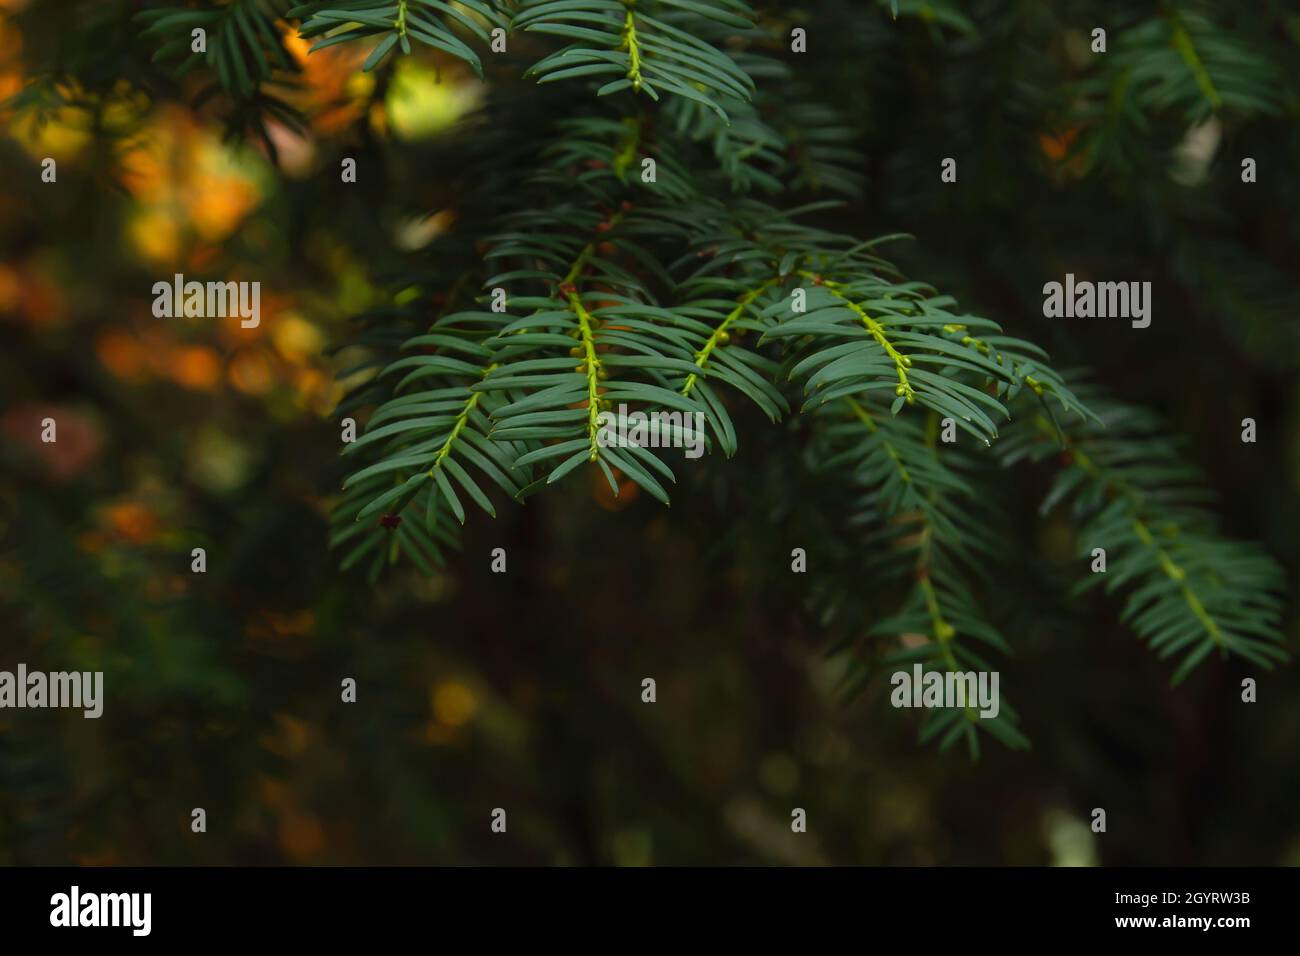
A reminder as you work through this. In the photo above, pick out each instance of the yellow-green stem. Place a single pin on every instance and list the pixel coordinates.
(901, 362)
(587, 338)
(1177, 574)
(1171, 569)
(702, 356)
(985, 349)
(456, 429)
(593, 370)
(632, 46)
(1182, 42)
(943, 631)
(627, 151)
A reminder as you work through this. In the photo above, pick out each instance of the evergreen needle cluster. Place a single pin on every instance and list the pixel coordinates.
(641, 173)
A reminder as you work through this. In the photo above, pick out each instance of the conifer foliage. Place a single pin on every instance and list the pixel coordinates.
(662, 244)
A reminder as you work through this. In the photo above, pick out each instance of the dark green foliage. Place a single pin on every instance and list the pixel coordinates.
(1188, 589)
(397, 24)
(224, 687)
(610, 303)
(677, 293)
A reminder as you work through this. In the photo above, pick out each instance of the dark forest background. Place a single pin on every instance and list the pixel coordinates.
(522, 690)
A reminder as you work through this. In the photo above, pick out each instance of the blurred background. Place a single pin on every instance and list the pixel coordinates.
(523, 691)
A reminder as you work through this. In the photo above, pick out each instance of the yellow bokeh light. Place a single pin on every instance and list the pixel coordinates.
(419, 104)
(454, 704)
(296, 339)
